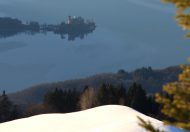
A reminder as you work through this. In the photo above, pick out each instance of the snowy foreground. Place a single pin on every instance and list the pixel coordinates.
(111, 118)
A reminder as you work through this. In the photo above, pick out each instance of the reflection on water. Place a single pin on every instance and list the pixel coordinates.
(48, 58)
(130, 34)
(76, 27)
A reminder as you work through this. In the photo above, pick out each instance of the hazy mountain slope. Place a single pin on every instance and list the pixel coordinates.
(109, 118)
(151, 80)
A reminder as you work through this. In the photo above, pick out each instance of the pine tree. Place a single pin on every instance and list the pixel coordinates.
(8, 111)
(136, 98)
(62, 101)
(148, 126)
(182, 13)
(53, 100)
(121, 95)
(176, 104)
(102, 96)
(109, 94)
(5, 107)
(176, 101)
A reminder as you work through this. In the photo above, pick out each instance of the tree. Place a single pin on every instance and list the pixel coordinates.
(109, 94)
(5, 107)
(176, 101)
(182, 13)
(148, 125)
(53, 100)
(153, 108)
(176, 104)
(62, 101)
(87, 98)
(8, 111)
(136, 98)
(121, 95)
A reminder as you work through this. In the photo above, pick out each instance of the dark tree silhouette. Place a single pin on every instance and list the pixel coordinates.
(62, 101)
(108, 94)
(136, 98)
(8, 111)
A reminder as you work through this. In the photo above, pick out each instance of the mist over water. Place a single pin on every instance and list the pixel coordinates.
(130, 34)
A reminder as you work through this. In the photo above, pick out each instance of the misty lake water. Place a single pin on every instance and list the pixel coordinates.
(130, 34)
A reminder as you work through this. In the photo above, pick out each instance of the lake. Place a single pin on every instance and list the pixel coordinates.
(130, 34)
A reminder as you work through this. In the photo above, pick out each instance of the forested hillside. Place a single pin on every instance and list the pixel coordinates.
(151, 80)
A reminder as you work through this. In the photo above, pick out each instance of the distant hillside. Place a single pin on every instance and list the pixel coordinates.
(151, 80)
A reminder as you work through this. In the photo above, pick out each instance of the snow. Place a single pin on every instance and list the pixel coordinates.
(110, 118)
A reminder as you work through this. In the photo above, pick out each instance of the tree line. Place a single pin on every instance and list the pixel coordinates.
(59, 101)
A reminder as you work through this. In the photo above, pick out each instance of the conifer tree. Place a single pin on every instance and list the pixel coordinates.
(5, 107)
(62, 101)
(176, 104)
(182, 13)
(109, 94)
(8, 111)
(136, 98)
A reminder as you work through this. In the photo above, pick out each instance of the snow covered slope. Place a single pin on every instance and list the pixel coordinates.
(111, 118)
